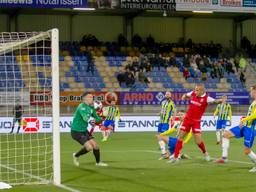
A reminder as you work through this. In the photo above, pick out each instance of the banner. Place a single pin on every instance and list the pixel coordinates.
(169, 5)
(40, 98)
(155, 98)
(71, 98)
(128, 124)
(234, 98)
(75, 98)
(12, 98)
(44, 3)
(231, 3)
(249, 3)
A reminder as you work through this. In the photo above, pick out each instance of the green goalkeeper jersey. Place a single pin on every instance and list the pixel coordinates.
(82, 116)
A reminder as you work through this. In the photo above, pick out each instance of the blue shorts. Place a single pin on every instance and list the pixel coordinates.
(162, 127)
(109, 123)
(172, 144)
(245, 132)
(221, 124)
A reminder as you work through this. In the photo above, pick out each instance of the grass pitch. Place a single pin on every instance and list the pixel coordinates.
(134, 166)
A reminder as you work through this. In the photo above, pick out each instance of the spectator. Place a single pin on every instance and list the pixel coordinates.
(148, 67)
(130, 79)
(136, 41)
(214, 73)
(236, 61)
(242, 63)
(220, 71)
(192, 72)
(186, 62)
(204, 74)
(150, 41)
(229, 66)
(242, 78)
(121, 78)
(90, 65)
(142, 78)
(172, 61)
(186, 74)
(122, 41)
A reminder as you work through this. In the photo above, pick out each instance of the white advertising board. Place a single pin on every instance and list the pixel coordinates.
(128, 124)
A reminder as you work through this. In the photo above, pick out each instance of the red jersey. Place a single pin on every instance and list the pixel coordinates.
(197, 106)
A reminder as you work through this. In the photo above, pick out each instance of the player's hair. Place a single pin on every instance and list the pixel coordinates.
(200, 84)
(253, 87)
(223, 96)
(85, 94)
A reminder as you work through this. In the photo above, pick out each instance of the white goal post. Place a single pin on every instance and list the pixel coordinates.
(29, 65)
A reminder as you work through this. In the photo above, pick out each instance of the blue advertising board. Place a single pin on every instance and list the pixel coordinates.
(249, 3)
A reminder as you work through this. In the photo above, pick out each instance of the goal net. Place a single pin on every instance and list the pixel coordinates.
(29, 108)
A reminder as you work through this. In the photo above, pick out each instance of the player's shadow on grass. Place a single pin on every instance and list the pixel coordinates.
(82, 169)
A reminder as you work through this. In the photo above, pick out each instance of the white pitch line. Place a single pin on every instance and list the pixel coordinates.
(45, 181)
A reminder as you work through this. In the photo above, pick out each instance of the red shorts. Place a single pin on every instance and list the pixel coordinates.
(189, 124)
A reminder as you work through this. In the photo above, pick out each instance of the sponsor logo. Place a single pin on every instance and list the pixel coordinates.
(196, 103)
(160, 96)
(30, 124)
(138, 123)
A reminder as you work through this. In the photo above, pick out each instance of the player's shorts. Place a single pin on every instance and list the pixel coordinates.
(81, 137)
(109, 123)
(189, 124)
(221, 124)
(172, 144)
(162, 127)
(245, 132)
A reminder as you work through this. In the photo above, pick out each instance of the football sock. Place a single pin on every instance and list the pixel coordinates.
(96, 153)
(252, 156)
(202, 147)
(162, 146)
(81, 152)
(225, 146)
(178, 148)
(218, 135)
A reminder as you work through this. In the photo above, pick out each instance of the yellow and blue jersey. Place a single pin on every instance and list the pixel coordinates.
(113, 112)
(223, 111)
(251, 116)
(247, 131)
(168, 108)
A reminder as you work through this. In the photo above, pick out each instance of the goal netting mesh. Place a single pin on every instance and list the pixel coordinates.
(26, 110)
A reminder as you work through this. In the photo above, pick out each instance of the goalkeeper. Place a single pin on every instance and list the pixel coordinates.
(171, 141)
(79, 131)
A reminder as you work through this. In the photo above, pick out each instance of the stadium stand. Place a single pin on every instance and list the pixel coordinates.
(75, 76)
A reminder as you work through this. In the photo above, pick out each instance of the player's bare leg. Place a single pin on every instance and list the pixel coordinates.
(225, 145)
(201, 145)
